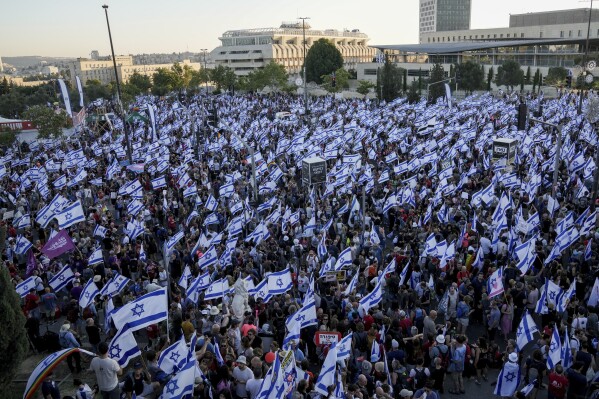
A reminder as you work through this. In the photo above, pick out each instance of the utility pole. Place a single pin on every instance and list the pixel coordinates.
(204, 50)
(305, 86)
(584, 58)
(118, 88)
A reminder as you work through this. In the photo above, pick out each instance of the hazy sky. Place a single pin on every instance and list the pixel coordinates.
(75, 27)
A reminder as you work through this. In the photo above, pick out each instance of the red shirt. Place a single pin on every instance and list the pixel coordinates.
(558, 385)
(368, 322)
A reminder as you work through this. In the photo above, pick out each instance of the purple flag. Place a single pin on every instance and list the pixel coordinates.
(58, 245)
(31, 263)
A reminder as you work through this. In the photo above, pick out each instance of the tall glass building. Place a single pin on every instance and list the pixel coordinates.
(444, 15)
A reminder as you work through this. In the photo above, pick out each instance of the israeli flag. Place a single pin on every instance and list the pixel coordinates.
(211, 203)
(403, 274)
(70, 215)
(526, 329)
(90, 291)
(495, 283)
(23, 222)
(372, 299)
(78, 178)
(555, 350)
(61, 279)
(566, 351)
(142, 253)
(181, 385)
(209, 258)
(588, 250)
(322, 248)
(185, 276)
(351, 287)
(345, 259)
(508, 380)
(526, 254)
(96, 258)
(190, 191)
(217, 289)
(173, 358)
(60, 182)
(191, 216)
(123, 347)
(480, 259)
(159, 182)
(226, 190)
(200, 283)
(100, 231)
(170, 244)
(25, 286)
(134, 207)
(294, 218)
(279, 282)
(326, 377)
(114, 286)
(146, 310)
(22, 245)
(344, 347)
(384, 177)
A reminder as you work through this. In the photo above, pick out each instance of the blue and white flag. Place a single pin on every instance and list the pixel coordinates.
(588, 251)
(211, 203)
(279, 282)
(217, 289)
(594, 297)
(159, 182)
(526, 254)
(351, 287)
(90, 291)
(508, 380)
(170, 244)
(373, 298)
(173, 358)
(114, 286)
(146, 310)
(23, 222)
(25, 286)
(22, 245)
(181, 385)
(555, 350)
(96, 258)
(200, 283)
(142, 253)
(44, 216)
(344, 347)
(62, 278)
(495, 283)
(134, 207)
(60, 182)
(123, 347)
(566, 351)
(209, 258)
(344, 260)
(326, 377)
(70, 215)
(526, 329)
(184, 279)
(100, 231)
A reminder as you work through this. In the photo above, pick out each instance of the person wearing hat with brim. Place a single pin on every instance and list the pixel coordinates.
(241, 374)
(67, 340)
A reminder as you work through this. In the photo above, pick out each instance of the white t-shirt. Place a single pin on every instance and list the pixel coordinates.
(106, 373)
(253, 387)
(242, 375)
(580, 322)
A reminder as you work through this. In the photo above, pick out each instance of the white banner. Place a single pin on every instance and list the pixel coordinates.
(448, 94)
(80, 91)
(65, 96)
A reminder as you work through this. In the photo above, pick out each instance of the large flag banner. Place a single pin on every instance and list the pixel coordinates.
(58, 245)
(144, 311)
(65, 97)
(123, 347)
(62, 278)
(526, 329)
(70, 215)
(508, 380)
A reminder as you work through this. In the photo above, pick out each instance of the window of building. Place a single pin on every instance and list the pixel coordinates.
(501, 35)
(494, 35)
(508, 35)
(370, 72)
(569, 33)
(561, 33)
(540, 34)
(579, 33)
(522, 34)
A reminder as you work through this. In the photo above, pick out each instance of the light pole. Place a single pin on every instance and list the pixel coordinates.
(305, 87)
(204, 51)
(586, 54)
(118, 86)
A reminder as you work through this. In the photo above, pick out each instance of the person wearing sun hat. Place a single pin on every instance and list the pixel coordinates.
(242, 374)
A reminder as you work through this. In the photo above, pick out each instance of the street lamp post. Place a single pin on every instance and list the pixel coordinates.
(585, 56)
(305, 82)
(204, 51)
(118, 86)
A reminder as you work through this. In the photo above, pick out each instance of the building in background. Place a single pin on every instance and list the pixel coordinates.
(94, 55)
(103, 70)
(246, 50)
(560, 24)
(444, 16)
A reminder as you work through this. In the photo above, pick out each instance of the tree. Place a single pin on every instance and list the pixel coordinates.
(413, 94)
(322, 59)
(4, 87)
(142, 82)
(472, 76)
(436, 89)
(509, 74)
(341, 81)
(556, 76)
(164, 81)
(535, 80)
(272, 75)
(527, 77)
(199, 77)
(223, 77)
(181, 76)
(8, 137)
(490, 78)
(48, 123)
(364, 87)
(389, 77)
(405, 80)
(13, 337)
(94, 89)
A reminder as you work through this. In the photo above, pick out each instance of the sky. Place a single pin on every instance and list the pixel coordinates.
(72, 28)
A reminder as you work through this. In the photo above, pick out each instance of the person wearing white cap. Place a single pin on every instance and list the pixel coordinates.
(241, 374)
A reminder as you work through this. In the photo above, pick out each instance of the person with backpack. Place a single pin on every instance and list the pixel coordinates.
(67, 340)
(419, 374)
(440, 350)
